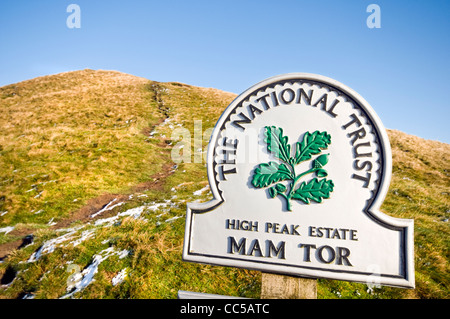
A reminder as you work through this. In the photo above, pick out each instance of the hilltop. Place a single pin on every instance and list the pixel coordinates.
(88, 190)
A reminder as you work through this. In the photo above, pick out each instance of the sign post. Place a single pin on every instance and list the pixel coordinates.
(287, 287)
(299, 165)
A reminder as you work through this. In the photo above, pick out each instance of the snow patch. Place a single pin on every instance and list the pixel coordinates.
(107, 207)
(84, 236)
(200, 191)
(120, 277)
(72, 234)
(50, 245)
(6, 229)
(135, 212)
(51, 222)
(156, 206)
(173, 219)
(82, 279)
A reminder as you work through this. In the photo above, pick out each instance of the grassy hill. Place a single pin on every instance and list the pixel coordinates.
(88, 190)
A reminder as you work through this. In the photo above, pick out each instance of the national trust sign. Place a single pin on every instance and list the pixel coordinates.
(299, 165)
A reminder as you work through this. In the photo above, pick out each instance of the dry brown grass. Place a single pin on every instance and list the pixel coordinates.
(415, 153)
(205, 104)
(75, 134)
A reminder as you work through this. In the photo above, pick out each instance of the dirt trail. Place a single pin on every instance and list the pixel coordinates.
(155, 182)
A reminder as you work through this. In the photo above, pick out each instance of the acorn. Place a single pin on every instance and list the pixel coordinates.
(273, 192)
(280, 188)
(321, 173)
(321, 161)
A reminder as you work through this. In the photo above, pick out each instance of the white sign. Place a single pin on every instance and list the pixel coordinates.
(299, 165)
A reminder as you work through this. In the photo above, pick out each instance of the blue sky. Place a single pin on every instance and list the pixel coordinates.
(402, 69)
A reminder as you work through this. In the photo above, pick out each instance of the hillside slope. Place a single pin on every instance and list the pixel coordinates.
(88, 187)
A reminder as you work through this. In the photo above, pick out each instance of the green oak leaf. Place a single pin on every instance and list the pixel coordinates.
(273, 172)
(312, 144)
(277, 144)
(267, 174)
(314, 190)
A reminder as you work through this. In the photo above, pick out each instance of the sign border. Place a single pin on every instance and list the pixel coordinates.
(372, 209)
